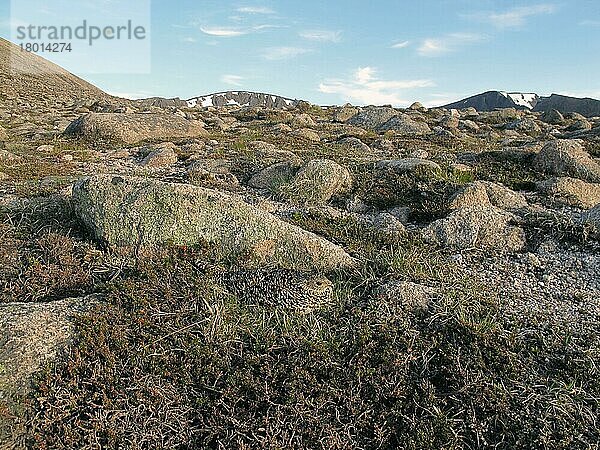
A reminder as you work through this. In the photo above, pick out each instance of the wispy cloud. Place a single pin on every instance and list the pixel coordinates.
(366, 88)
(401, 44)
(517, 16)
(590, 23)
(233, 80)
(322, 35)
(255, 10)
(223, 31)
(279, 53)
(189, 40)
(449, 43)
(226, 31)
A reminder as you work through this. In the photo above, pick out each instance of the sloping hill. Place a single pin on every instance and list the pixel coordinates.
(25, 75)
(584, 106)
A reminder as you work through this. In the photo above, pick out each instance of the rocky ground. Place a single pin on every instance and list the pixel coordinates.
(297, 278)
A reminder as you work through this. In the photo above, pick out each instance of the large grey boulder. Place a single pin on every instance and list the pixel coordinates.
(404, 125)
(568, 158)
(487, 228)
(140, 212)
(486, 193)
(571, 191)
(133, 128)
(373, 117)
(317, 182)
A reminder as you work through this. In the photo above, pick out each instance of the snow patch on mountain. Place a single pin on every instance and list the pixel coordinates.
(520, 99)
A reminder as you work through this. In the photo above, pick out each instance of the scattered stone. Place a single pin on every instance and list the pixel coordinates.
(469, 125)
(450, 121)
(568, 158)
(303, 121)
(485, 193)
(525, 125)
(353, 143)
(553, 117)
(282, 128)
(45, 149)
(404, 125)
(308, 134)
(133, 128)
(137, 212)
(269, 153)
(344, 114)
(571, 191)
(276, 175)
(407, 165)
(161, 156)
(417, 106)
(317, 182)
(3, 134)
(477, 227)
(373, 117)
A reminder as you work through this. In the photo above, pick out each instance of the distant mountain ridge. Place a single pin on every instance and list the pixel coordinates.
(242, 98)
(488, 101)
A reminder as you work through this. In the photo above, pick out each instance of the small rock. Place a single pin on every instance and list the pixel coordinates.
(407, 165)
(161, 156)
(308, 134)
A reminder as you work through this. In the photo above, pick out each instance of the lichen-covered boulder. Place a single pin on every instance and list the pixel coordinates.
(485, 193)
(571, 191)
(317, 182)
(133, 128)
(477, 227)
(140, 212)
(568, 158)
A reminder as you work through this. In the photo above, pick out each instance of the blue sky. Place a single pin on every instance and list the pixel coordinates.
(377, 52)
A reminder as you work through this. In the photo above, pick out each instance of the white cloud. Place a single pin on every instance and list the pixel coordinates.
(279, 53)
(189, 40)
(365, 88)
(446, 44)
(223, 31)
(322, 35)
(516, 17)
(233, 80)
(255, 10)
(402, 44)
